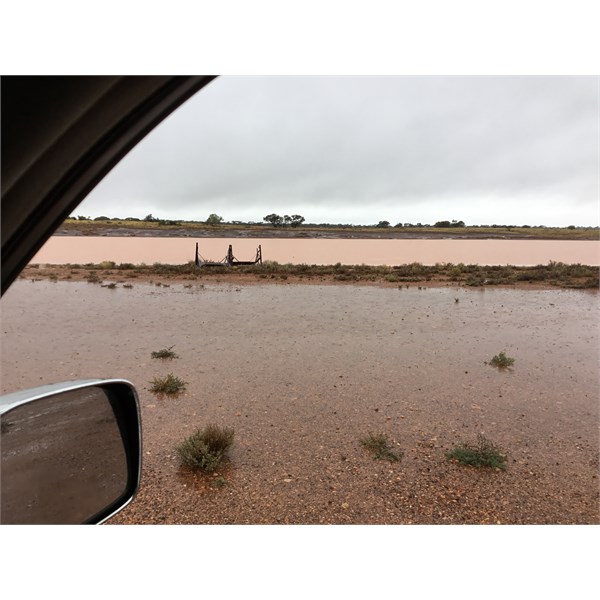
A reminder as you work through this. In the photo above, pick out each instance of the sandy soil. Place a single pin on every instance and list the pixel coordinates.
(303, 372)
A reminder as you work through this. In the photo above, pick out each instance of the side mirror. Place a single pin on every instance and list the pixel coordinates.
(71, 452)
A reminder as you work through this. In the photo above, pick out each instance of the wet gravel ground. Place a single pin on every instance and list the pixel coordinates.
(303, 372)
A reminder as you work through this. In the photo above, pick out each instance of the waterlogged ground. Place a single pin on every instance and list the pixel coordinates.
(303, 372)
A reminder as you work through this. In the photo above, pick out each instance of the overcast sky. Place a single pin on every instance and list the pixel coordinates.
(485, 150)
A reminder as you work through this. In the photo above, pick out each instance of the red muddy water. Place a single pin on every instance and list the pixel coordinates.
(78, 249)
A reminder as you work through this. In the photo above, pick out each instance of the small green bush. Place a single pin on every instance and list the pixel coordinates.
(165, 353)
(378, 444)
(93, 278)
(474, 282)
(502, 361)
(482, 454)
(169, 385)
(204, 449)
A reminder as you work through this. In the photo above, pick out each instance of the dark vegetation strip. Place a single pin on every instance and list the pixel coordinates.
(554, 273)
(97, 227)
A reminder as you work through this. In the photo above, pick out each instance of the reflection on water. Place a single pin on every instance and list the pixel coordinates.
(67, 249)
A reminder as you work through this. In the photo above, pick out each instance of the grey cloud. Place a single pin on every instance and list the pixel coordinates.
(357, 146)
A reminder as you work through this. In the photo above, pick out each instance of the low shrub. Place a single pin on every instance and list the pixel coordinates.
(484, 453)
(455, 273)
(502, 361)
(205, 448)
(474, 282)
(93, 278)
(169, 385)
(378, 444)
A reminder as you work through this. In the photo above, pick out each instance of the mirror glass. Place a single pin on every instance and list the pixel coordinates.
(63, 459)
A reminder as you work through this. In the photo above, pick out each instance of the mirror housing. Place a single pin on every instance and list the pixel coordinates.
(70, 452)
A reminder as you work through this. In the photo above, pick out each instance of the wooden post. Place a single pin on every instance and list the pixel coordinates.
(197, 261)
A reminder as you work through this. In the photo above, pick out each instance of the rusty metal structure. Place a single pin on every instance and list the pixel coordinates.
(229, 261)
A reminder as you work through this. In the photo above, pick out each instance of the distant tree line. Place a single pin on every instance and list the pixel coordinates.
(296, 220)
(441, 224)
(278, 221)
(450, 224)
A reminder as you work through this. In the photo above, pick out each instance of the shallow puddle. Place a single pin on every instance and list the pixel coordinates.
(303, 372)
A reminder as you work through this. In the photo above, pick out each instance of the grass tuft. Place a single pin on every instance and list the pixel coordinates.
(205, 448)
(378, 444)
(482, 454)
(165, 353)
(502, 361)
(169, 385)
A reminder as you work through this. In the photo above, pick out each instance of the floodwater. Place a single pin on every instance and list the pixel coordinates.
(302, 373)
(79, 249)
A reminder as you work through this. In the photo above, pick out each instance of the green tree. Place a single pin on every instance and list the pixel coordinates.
(383, 224)
(214, 219)
(297, 220)
(454, 223)
(274, 219)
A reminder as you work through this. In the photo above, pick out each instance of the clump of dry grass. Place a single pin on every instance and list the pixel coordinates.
(169, 385)
(378, 444)
(166, 353)
(205, 448)
(483, 453)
